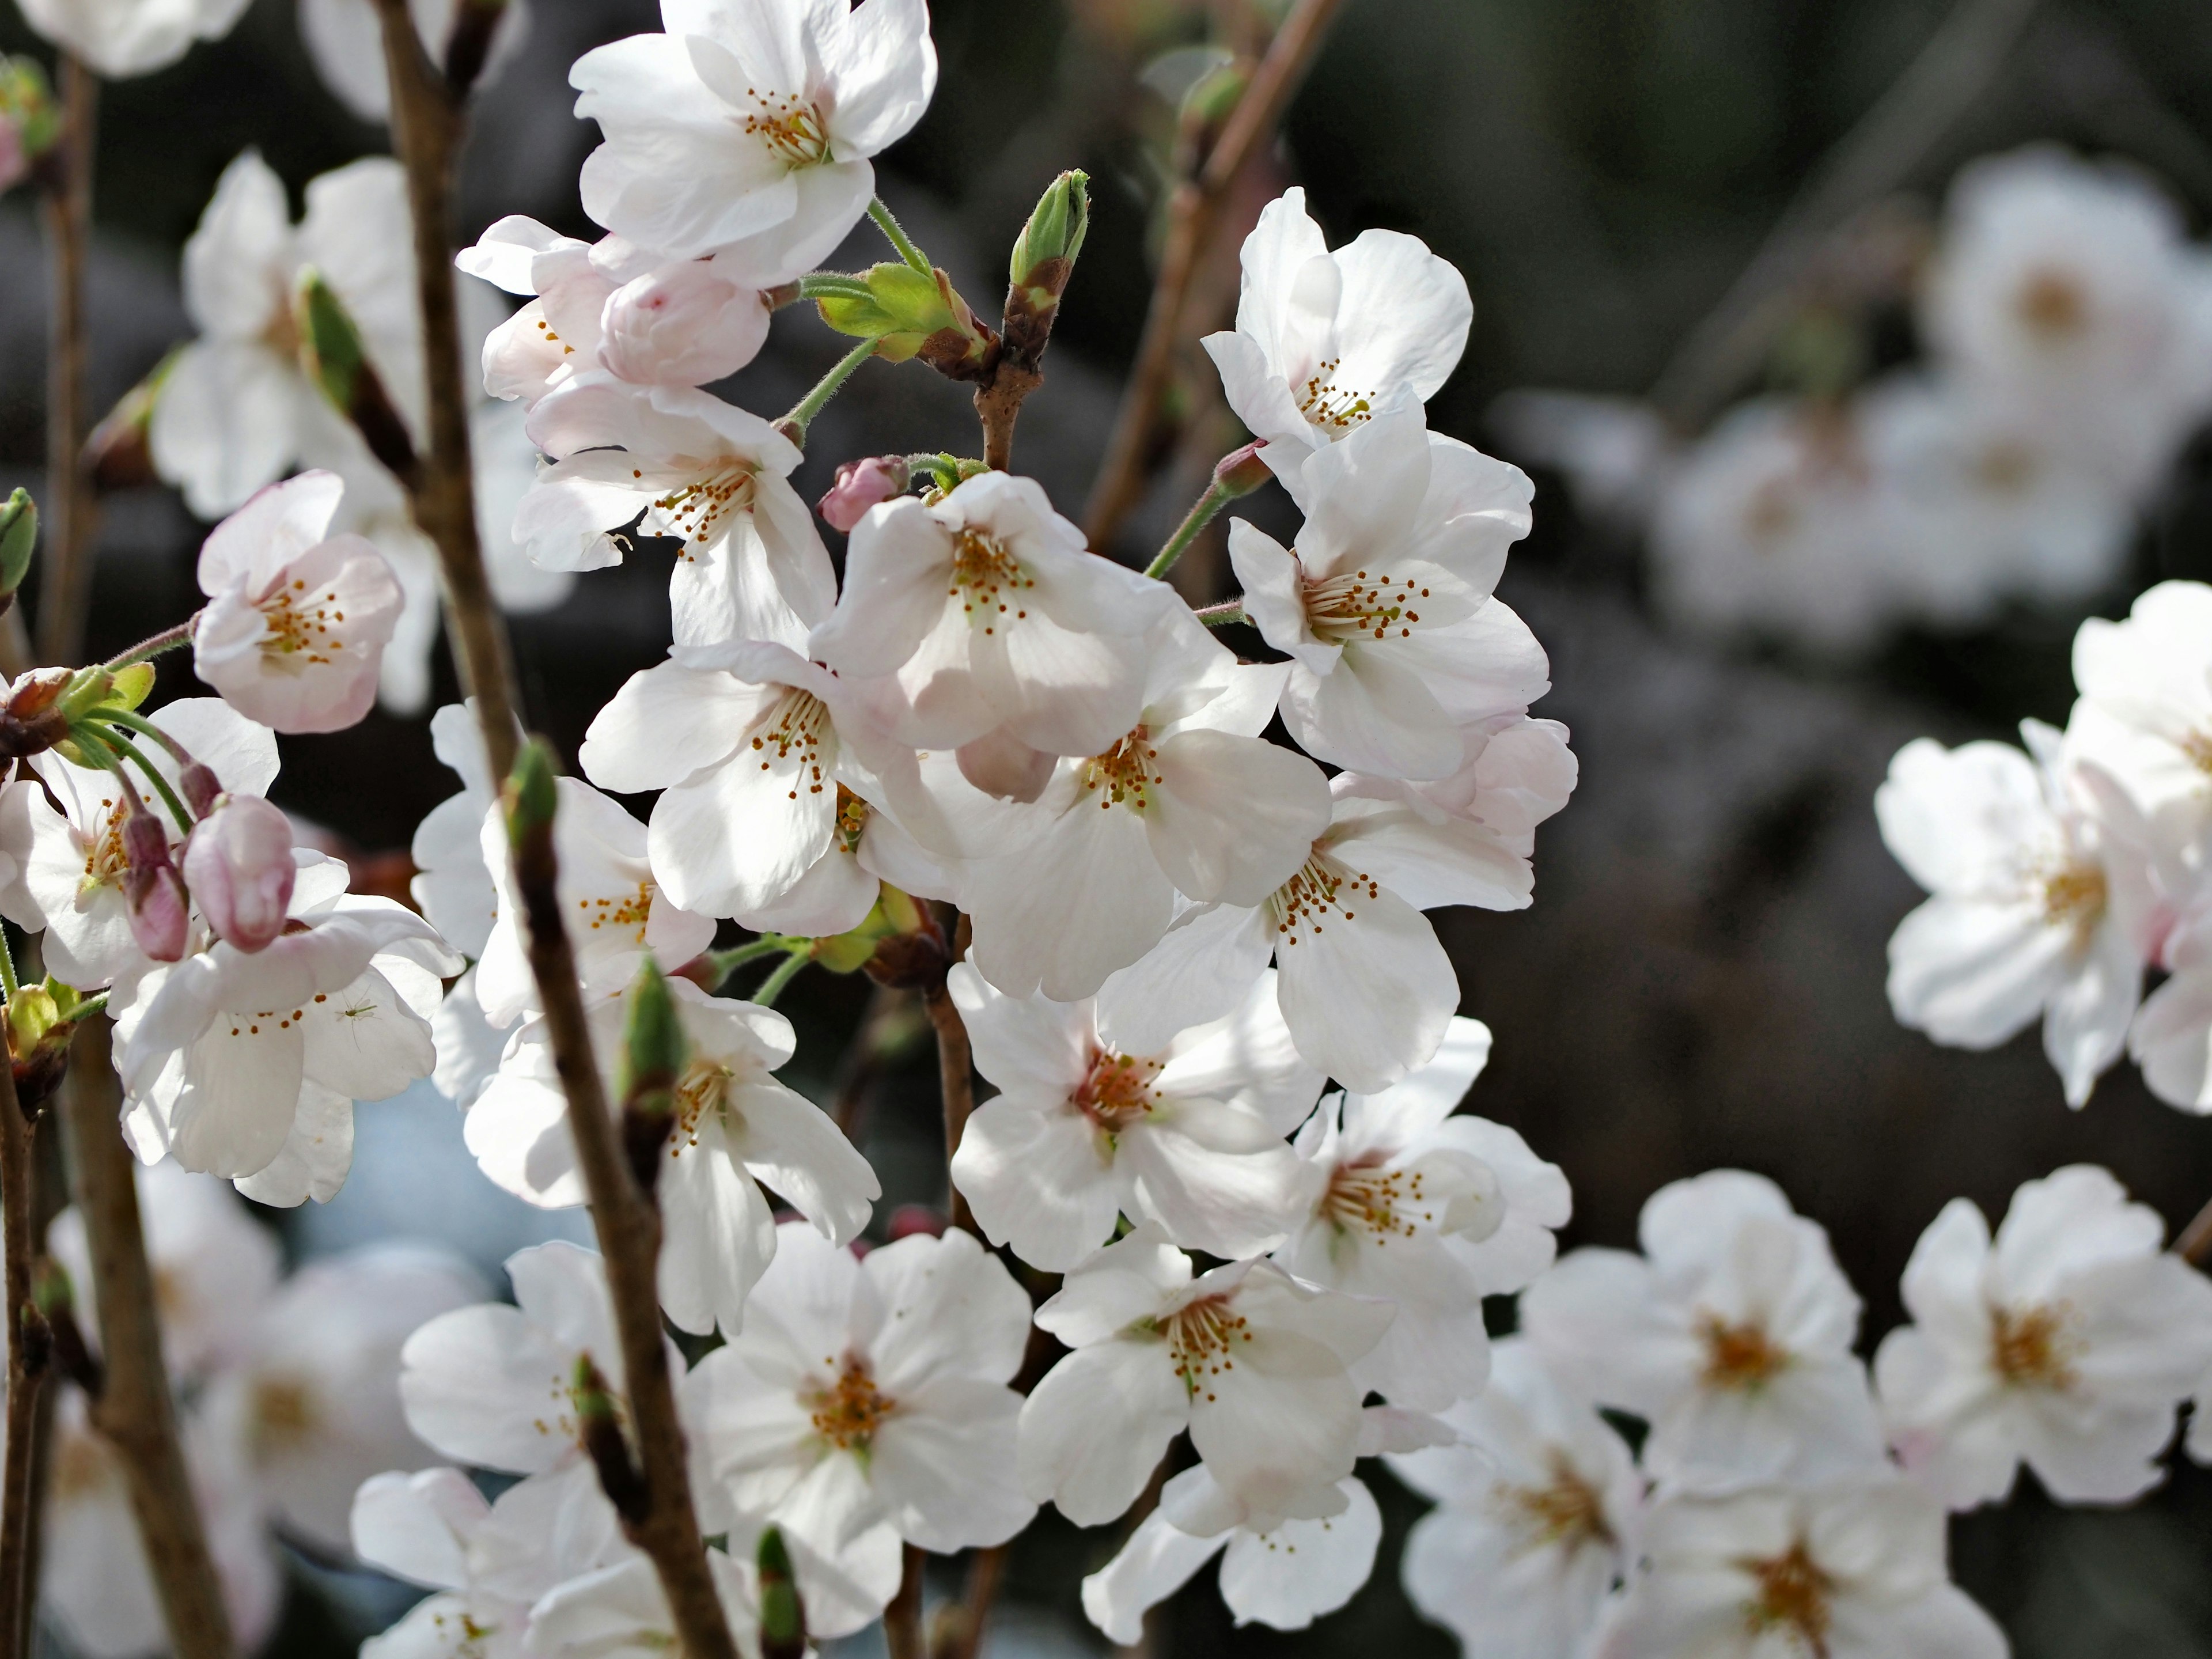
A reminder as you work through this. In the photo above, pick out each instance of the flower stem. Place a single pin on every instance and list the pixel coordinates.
(119, 749)
(832, 285)
(897, 237)
(138, 722)
(2195, 1243)
(723, 963)
(804, 411)
(169, 639)
(902, 1637)
(1222, 614)
(1200, 515)
(786, 971)
(7, 981)
(26, 1368)
(66, 171)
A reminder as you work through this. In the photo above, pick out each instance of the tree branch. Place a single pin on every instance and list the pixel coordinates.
(133, 1411)
(902, 1637)
(955, 1080)
(65, 172)
(26, 1366)
(1191, 215)
(2195, 1243)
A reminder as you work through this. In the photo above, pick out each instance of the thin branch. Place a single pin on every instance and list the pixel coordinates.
(133, 1411)
(1954, 69)
(2195, 1244)
(902, 1637)
(67, 170)
(955, 1080)
(1191, 215)
(964, 1640)
(26, 1366)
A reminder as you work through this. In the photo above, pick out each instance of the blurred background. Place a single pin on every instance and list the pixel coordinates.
(1700, 981)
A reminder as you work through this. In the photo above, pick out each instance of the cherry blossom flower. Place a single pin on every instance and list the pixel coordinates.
(2065, 1343)
(248, 1065)
(2039, 906)
(1539, 1508)
(704, 471)
(313, 1391)
(2171, 1039)
(1406, 1202)
(1326, 343)
(870, 1394)
(1284, 1578)
(621, 1609)
(753, 733)
(124, 39)
(608, 889)
(238, 863)
(984, 614)
(2145, 712)
(345, 43)
(862, 484)
(749, 134)
(453, 885)
(1256, 1365)
(1385, 607)
(1518, 773)
(71, 864)
(1186, 797)
(734, 1124)
(1855, 1569)
(236, 412)
(1189, 1135)
(1731, 1334)
(296, 619)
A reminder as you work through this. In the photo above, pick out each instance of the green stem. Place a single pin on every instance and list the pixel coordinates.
(899, 240)
(726, 962)
(1222, 614)
(167, 640)
(804, 411)
(86, 1009)
(786, 971)
(1200, 514)
(138, 722)
(6, 966)
(833, 285)
(115, 748)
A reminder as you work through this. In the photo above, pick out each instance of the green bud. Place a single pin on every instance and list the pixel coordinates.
(531, 797)
(782, 1613)
(654, 1048)
(51, 1292)
(19, 535)
(1046, 249)
(910, 313)
(332, 355)
(32, 1012)
(26, 103)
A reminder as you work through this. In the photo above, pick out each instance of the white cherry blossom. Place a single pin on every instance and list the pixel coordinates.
(452, 886)
(621, 1611)
(1518, 773)
(1854, 1570)
(1539, 1507)
(1731, 1334)
(2041, 902)
(2171, 1040)
(703, 472)
(1407, 1202)
(1284, 1578)
(124, 39)
(1385, 607)
(1256, 1365)
(870, 1394)
(2064, 1343)
(1326, 342)
(735, 1123)
(748, 132)
(1189, 1135)
(297, 621)
(984, 614)
(1186, 797)
(609, 893)
(2145, 712)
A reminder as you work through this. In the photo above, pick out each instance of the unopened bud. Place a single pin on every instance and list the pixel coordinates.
(860, 485)
(681, 326)
(654, 1051)
(912, 313)
(119, 453)
(1044, 254)
(159, 909)
(1241, 471)
(40, 1022)
(29, 122)
(239, 865)
(32, 718)
(782, 1611)
(599, 1428)
(19, 535)
(531, 795)
(200, 787)
(333, 356)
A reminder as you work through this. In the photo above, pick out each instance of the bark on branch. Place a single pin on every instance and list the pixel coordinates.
(65, 181)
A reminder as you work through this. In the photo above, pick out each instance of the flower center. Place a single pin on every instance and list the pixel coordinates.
(2052, 306)
(1793, 1596)
(695, 510)
(1568, 1512)
(847, 1414)
(1202, 1337)
(1124, 772)
(1739, 1356)
(791, 128)
(852, 815)
(620, 910)
(701, 1092)
(298, 623)
(2074, 895)
(1382, 1200)
(797, 729)
(105, 864)
(1302, 903)
(2196, 747)
(1342, 609)
(283, 1414)
(2029, 1347)
(986, 577)
(1330, 407)
(1118, 1091)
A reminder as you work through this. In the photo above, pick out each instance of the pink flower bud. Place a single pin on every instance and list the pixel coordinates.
(682, 326)
(239, 864)
(1241, 471)
(199, 785)
(159, 909)
(860, 485)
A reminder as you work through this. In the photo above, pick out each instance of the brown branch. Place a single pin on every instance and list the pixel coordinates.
(997, 404)
(26, 1367)
(902, 1637)
(2195, 1244)
(955, 1080)
(133, 1411)
(1193, 213)
(962, 1636)
(65, 172)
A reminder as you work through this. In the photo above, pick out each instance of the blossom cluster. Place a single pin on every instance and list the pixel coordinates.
(2065, 323)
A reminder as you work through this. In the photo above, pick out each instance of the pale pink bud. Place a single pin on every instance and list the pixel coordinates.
(682, 326)
(239, 862)
(154, 894)
(860, 485)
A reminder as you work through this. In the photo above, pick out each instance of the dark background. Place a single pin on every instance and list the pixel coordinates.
(1700, 981)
